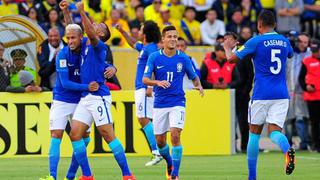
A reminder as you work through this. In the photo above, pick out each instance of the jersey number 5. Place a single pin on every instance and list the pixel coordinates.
(274, 52)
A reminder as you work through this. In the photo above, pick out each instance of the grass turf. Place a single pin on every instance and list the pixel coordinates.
(270, 167)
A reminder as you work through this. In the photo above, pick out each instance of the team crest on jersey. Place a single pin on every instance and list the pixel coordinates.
(63, 63)
(179, 67)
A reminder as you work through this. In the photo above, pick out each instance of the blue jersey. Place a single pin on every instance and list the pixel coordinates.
(93, 66)
(270, 52)
(171, 69)
(145, 52)
(68, 88)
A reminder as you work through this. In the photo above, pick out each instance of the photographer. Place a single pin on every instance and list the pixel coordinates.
(216, 72)
(19, 59)
(4, 70)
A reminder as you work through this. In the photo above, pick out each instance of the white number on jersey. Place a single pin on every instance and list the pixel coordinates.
(275, 59)
(169, 76)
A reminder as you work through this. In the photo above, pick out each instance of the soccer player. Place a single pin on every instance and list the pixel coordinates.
(150, 35)
(95, 106)
(270, 100)
(169, 67)
(66, 94)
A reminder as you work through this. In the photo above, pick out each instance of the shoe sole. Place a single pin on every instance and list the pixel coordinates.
(291, 165)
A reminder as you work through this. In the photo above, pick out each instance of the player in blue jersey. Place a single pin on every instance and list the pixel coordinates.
(95, 106)
(270, 100)
(149, 34)
(169, 66)
(66, 94)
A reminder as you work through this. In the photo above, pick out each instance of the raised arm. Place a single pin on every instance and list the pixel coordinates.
(131, 41)
(88, 27)
(64, 5)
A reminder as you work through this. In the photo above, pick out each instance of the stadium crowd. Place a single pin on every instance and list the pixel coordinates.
(199, 22)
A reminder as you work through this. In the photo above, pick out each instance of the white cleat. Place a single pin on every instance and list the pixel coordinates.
(155, 160)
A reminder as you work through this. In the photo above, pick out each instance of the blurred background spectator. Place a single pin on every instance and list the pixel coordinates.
(152, 11)
(27, 84)
(211, 28)
(46, 55)
(216, 72)
(201, 7)
(224, 10)
(4, 69)
(309, 79)
(54, 21)
(298, 111)
(288, 15)
(310, 18)
(190, 27)
(176, 9)
(116, 38)
(139, 12)
(18, 57)
(8, 7)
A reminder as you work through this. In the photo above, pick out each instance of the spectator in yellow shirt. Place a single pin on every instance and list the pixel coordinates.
(190, 27)
(176, 9)
(116, 38)
(8, 8)
(152, 12)
(166, 20)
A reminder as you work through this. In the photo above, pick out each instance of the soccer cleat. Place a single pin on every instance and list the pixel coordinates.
(155, 160)
(168, 172)
(47, 178)
(290, 161)
(174, 178)
(129, 177)
(86, 178)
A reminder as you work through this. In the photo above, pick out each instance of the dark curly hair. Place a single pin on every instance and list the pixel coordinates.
(152, 32)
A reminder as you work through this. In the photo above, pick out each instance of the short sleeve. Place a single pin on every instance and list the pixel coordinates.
(138, 46)
(150, 66)
(61, 62)
(248, 48)
(191, 73)
(290, 50)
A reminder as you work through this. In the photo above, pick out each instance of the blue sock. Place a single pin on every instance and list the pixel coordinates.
(74, 163)
(80, 153)
(165, 153)
(148, 130)
(252, 155)
(176, 159)
(54, 156)
(120, 157)
(281, 140)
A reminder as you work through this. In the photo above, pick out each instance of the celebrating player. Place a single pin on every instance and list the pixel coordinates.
(66, 94)
(150, 36)
(95, 106)
(169, 67)
(270, 99)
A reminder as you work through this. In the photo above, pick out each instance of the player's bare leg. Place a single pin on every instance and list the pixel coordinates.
(281, 140)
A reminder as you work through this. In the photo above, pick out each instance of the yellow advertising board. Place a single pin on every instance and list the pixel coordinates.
(24, 124)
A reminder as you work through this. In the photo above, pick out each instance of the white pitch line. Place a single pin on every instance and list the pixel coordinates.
(310, 158)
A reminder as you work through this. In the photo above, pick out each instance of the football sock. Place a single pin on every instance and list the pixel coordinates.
(80, 153)
(148, 130)
(120, 157)
(176, 159)
(165, 153)
(74, 163)
(252, 155)
(281, 140)
(54, 156)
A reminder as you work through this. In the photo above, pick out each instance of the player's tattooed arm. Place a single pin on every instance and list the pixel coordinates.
(88, 27)
(64, 5)
(131, 41)
(197, 85)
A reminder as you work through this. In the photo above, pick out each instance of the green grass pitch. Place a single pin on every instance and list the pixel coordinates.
(270, 167)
